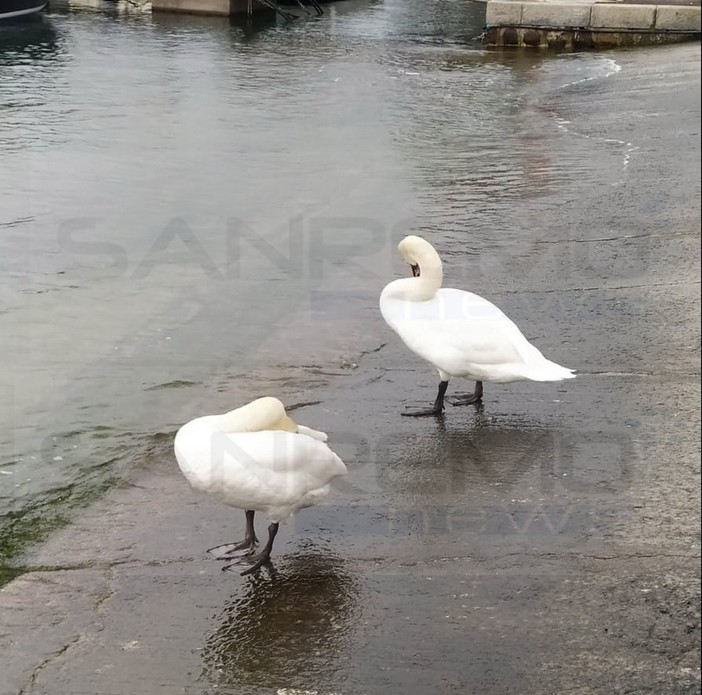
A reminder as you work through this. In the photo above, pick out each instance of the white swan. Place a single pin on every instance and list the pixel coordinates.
(459, 332)
(258, 459)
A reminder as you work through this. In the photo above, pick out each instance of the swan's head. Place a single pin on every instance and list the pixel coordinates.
(407, 248)
(270, 412)
(419, 253)
(265, 413)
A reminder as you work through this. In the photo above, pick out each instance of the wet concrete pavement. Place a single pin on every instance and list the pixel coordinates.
(546, 543)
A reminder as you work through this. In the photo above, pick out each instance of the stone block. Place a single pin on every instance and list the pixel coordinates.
(552, 14)
(616, 16)
(678, 18)
(503, 12)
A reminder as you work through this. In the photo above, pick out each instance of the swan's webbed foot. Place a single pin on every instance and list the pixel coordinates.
(257, 561)
(437, 410)
(429, 412)
(470, 398)
(467, 399)
(243, 548)
(229, 550)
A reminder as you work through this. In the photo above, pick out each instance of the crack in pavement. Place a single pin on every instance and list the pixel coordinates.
(110, 590)
(107, 566)
(31, 681)
(585, 556)
(110, 576)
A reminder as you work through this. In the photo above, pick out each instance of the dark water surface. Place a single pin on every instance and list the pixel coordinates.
(194, 211)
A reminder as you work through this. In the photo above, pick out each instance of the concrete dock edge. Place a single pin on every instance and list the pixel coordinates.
(578, 24)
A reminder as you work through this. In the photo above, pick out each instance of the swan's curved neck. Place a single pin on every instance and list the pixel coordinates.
(426, 285)
(256, 417)
(431, 273)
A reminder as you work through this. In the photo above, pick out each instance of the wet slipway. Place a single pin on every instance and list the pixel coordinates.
(195, 213)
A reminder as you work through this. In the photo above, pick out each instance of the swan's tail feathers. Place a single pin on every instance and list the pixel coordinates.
(550, 371)
(339, 466)
(315, 434)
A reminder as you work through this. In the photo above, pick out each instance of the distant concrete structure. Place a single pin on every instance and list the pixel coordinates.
(589, 23)
(224, 8)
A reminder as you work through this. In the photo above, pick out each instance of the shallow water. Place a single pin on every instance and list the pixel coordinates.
(194, 211)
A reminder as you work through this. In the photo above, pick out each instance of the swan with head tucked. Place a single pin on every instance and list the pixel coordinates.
(460, 333)
(256, 458)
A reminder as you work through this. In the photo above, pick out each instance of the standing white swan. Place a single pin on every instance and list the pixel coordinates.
(459, 332)
(258, 459)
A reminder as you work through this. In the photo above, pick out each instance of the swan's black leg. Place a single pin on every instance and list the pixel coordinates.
(470, 398)
(437, 408)
(262, 558)
(245, 547)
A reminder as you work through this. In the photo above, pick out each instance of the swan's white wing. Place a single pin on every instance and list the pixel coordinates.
(461, 333)
(485, 328)
(315, 434)
(255, 470)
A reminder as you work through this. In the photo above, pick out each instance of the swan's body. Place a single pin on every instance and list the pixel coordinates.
(464, 335)
(460, 333)
(258, 459)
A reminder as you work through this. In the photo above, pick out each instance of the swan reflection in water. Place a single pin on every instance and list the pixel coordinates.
(286, 629)
(459, 465)
(465, 486)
